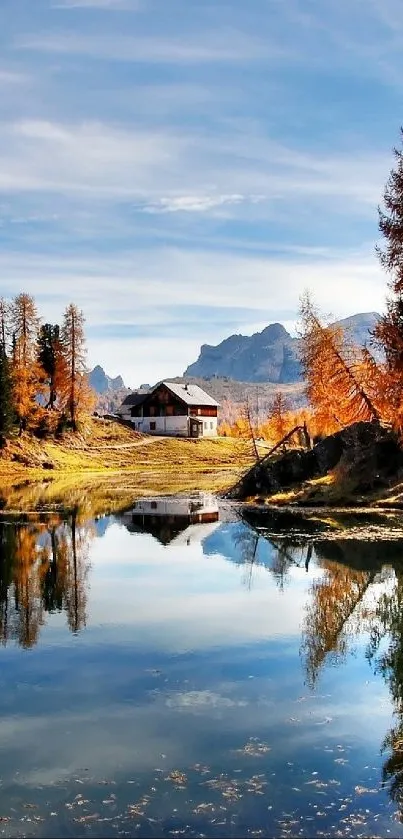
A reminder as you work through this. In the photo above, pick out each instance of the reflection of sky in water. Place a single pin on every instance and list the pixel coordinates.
(183, 660)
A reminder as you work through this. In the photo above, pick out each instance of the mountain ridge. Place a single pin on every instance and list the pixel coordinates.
(267, 356)
(273, 352)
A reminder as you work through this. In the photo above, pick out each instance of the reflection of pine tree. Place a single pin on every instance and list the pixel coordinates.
(334, 599)
(54, 576)
(76, 576)
(7, 551)
(27, 591)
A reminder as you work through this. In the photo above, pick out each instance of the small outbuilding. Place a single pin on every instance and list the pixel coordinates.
(172, 408)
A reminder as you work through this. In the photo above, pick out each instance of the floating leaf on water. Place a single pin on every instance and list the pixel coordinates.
(200, 767)
(177, 777)
(255, 748)
(83, 819)
(204, 807)
(361, 790)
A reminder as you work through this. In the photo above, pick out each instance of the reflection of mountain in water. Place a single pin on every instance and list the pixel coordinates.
(101, 525)
(175, 520)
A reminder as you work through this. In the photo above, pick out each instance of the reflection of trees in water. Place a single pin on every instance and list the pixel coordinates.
(329, 618)
(337, 610)
(388, 624)
(285, 553)
(43, 569)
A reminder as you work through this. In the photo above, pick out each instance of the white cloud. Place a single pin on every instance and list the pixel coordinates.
(145, 287)
(83, 159)
(167, 170)
(198, 203)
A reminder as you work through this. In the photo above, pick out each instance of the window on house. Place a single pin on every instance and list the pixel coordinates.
(211, 425)
(153, 425)
(205, 426)
(153, 505)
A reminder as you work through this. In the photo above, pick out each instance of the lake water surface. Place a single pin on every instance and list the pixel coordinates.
(178, 671)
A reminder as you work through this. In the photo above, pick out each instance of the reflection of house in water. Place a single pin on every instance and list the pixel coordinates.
(174, 520)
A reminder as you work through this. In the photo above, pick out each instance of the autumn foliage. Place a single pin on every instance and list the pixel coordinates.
(43, 378)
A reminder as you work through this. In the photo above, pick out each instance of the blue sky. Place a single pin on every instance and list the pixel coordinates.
(184, 169)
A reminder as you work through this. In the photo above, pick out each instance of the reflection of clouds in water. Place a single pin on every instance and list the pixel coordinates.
(177, 598)
(101, 704)
(202, 700)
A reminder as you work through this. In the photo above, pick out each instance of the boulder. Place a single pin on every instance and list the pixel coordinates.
(366, 451)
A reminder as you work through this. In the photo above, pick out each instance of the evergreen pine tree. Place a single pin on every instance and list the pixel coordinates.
(388, 333)
(49, 351)
(6, 399)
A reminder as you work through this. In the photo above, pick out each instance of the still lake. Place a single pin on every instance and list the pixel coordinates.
(176, 670)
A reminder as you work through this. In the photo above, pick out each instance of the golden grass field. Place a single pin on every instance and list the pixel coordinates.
(107, 465)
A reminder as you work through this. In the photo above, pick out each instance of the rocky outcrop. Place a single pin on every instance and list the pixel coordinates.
(267, 356)
(100, 382)
(365, 454)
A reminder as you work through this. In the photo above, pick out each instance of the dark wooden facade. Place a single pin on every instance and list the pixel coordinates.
(162, 403)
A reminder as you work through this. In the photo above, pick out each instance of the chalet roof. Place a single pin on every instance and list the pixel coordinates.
(135, 398)
(190, 394)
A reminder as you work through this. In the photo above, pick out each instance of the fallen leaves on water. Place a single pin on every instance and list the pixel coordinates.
(254, 747)
(83, 819)
(200, 767)
(256, 784)
(178, 778)
(138, 809)
(204, 807)
(229, 788)
(361, 790)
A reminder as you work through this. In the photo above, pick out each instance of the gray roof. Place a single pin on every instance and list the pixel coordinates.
(135, 398)
(191, 394)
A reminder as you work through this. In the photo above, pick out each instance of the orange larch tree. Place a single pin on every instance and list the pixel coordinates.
(27, 374)
(333, 370)
(77, 394)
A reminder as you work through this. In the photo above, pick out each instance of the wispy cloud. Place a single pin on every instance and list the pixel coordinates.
(233, 144)
(9, 77)
(198, 203)
(111, 5)
(210, 46)
(91, 158)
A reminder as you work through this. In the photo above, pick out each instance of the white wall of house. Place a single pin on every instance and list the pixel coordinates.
(209, 426)
(199, 503)
(175, 426)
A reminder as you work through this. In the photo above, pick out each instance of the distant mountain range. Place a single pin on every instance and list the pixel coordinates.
(233, 369)
(267, 356)
(100, 382)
